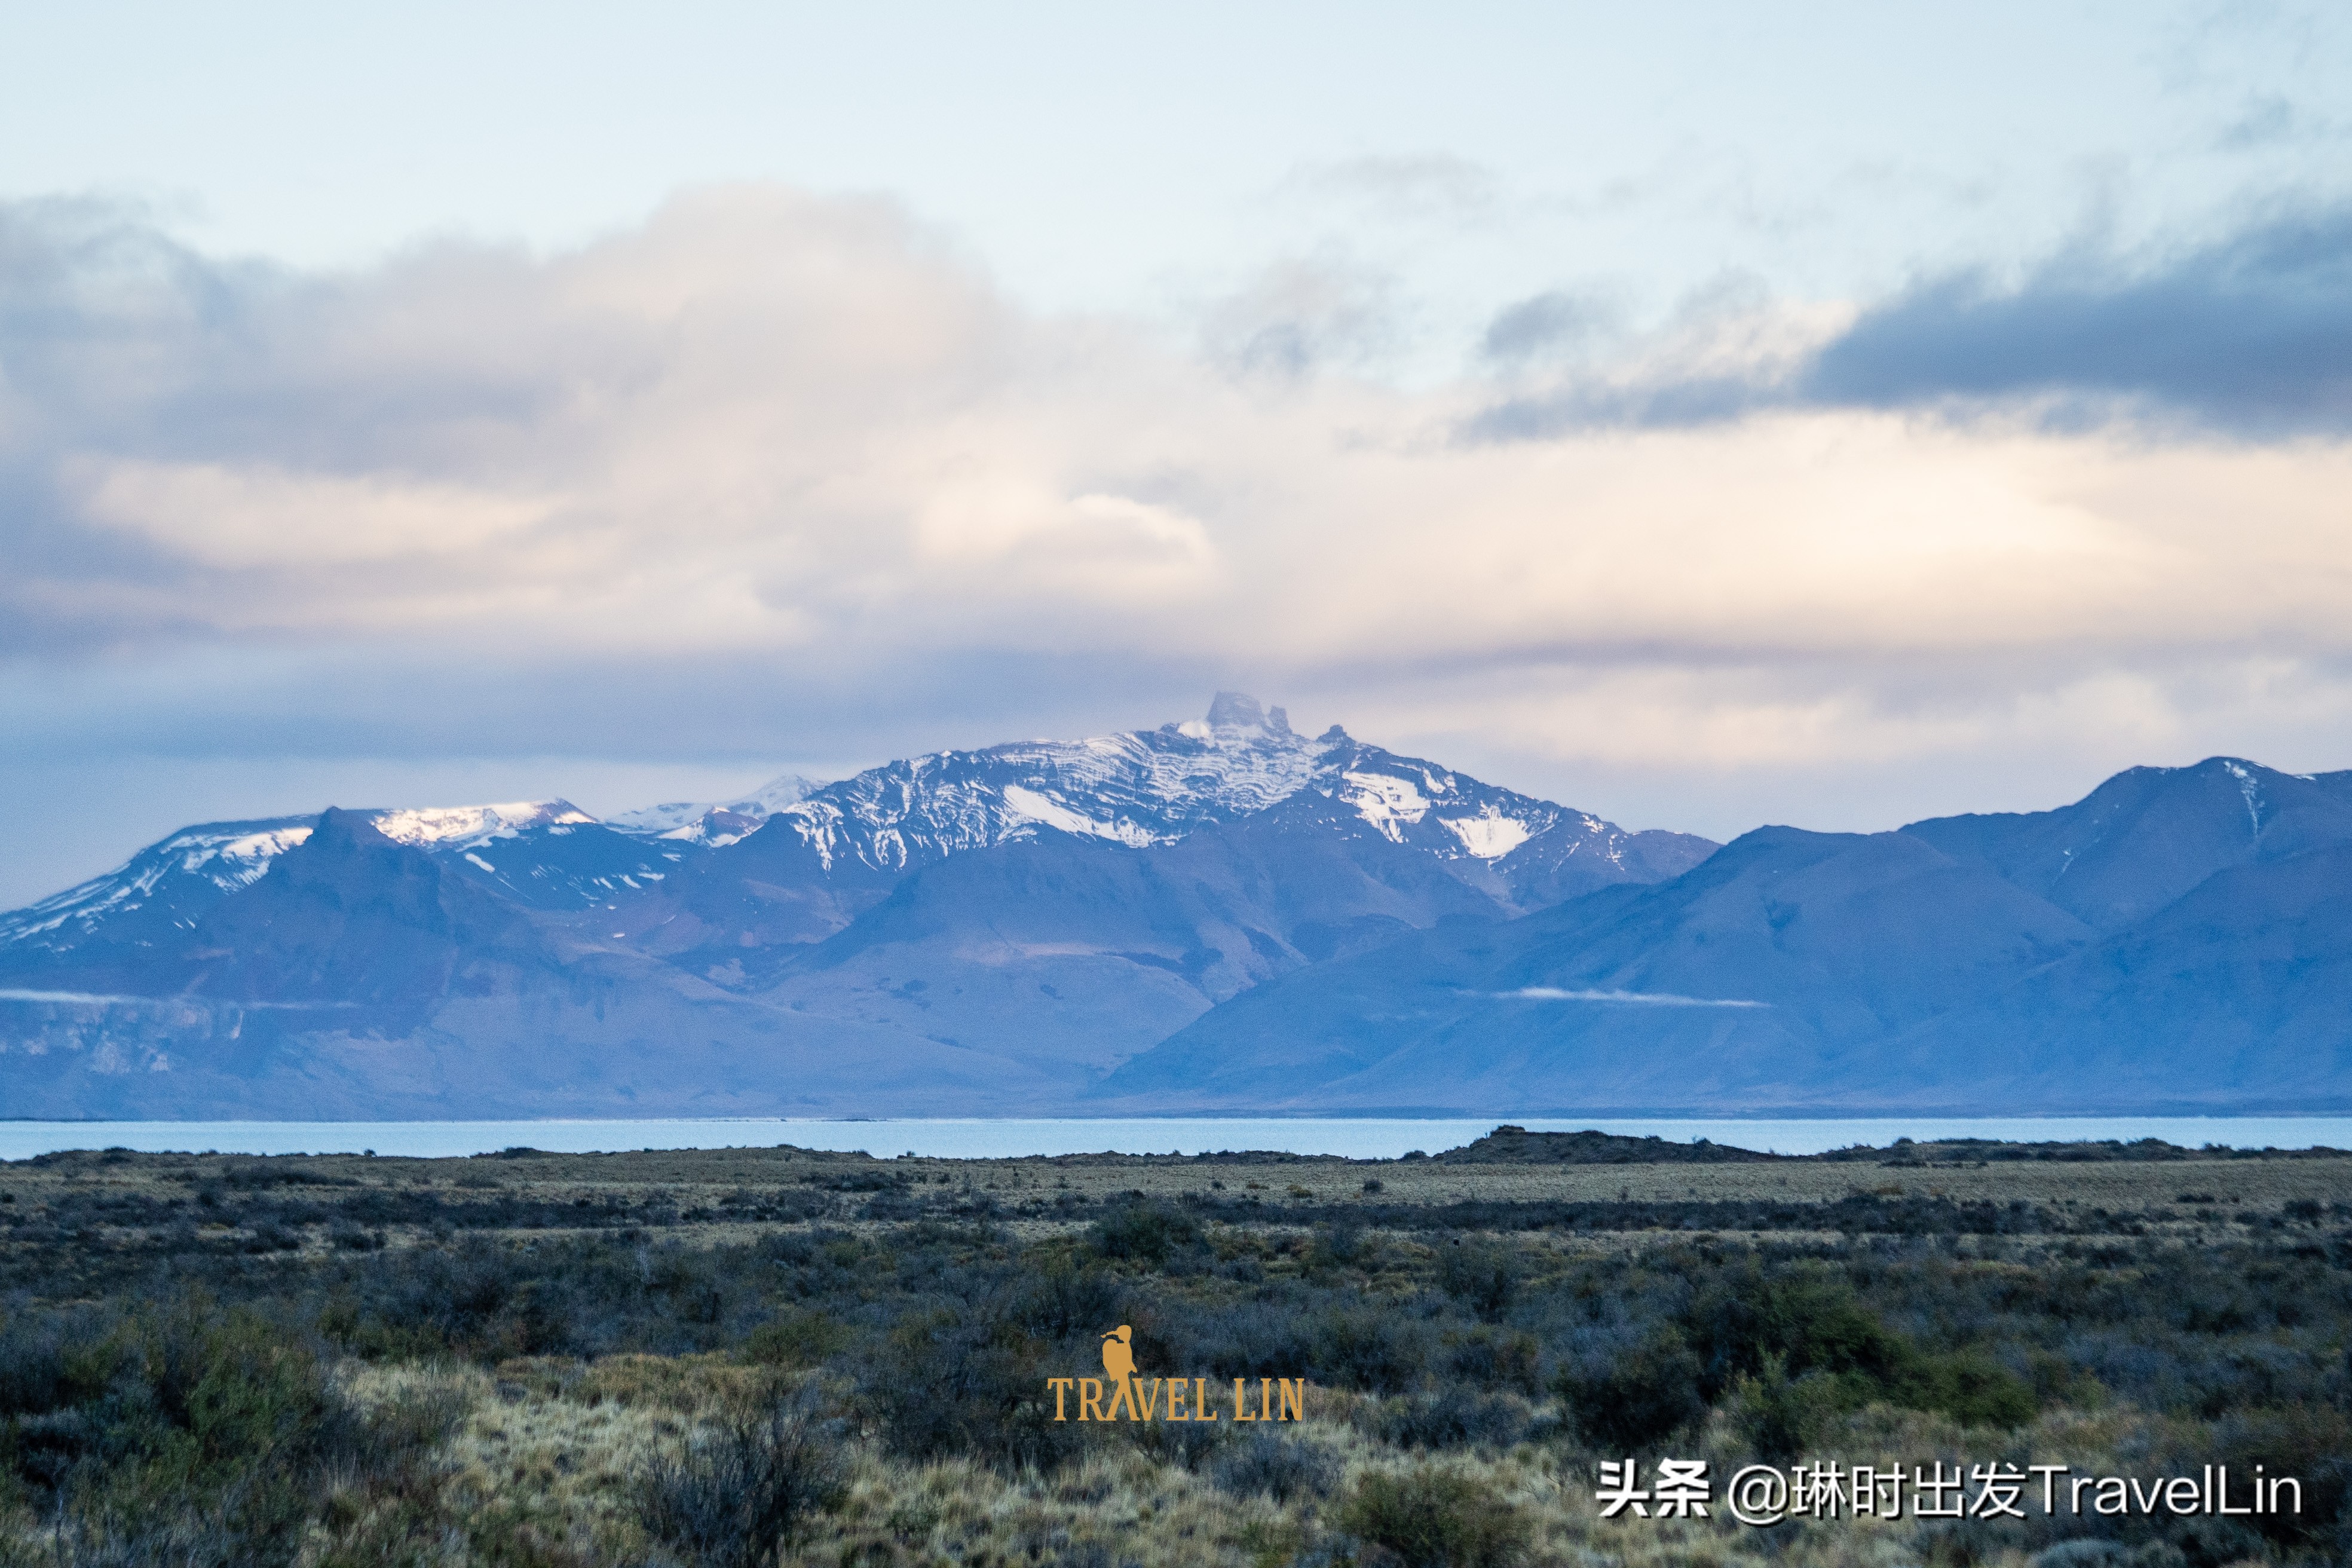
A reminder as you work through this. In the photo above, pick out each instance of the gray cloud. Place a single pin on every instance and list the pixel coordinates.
(1544, 324)
(2249, 336)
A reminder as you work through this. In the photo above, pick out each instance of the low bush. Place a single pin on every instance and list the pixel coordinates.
(1632, 1402)
(183, 1434)
(744, 1493)
(795, 1337)
(1492, 1358)
(1436, 1517)
(944, 1385)
(1479, 1275)
(1266, 1464)
(1453, 1420)
(1370, 1347)
(1143, 1231)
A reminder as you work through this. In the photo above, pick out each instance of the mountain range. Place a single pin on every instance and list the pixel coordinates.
(1220, 915)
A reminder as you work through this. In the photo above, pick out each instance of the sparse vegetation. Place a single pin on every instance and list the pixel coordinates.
(578, 1361)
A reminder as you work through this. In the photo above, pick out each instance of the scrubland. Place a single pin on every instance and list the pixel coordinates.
(763, 1355)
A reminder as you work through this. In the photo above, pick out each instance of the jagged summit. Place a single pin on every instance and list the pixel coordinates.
(1240, 711)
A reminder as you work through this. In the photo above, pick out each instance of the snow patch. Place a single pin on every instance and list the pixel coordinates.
(1490, 835)
(464, 827)
(690, 820)
(1385, 802)
(1028, 805)
(2250, 788)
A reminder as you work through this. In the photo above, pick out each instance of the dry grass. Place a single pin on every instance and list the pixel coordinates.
(553, 1452)
(2192, 1199)
(543, 1470)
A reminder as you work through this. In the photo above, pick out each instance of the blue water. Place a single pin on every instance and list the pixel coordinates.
(1357, 1139)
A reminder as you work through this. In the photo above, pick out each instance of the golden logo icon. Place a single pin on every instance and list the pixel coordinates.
(1144, 1398)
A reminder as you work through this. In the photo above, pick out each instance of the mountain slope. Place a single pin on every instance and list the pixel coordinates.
(360, 976)
(98, 935)
(2146, 836)
(2237, 995)
(1073, 951)
(1739, 976)
(2179, 939)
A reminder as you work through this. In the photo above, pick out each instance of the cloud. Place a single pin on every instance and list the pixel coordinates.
(2250, 334)
(2247, 336)
(777, 475)
(1644, 999)
(1297, 319)
(1544, 323)
(1430, 187)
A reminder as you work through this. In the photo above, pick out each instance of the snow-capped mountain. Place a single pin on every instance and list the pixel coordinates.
(166, 887)
(1140, 787)
(714, 823)
(546, 854)
(551, 856)
(1153, 787)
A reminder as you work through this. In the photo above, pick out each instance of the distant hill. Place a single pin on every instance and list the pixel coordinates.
(2181, 939)
(969, 931)
(1216, 916)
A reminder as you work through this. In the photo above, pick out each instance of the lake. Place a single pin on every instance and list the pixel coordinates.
(1366, 1138)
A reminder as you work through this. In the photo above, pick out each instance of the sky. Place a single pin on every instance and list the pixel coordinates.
(1700, 414)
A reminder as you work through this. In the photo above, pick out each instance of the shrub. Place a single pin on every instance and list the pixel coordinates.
(1780, 1416)
(795, 1337)
(1637, 1399)
(1452, 1419)
(1368, 1348)
(1489, 1359)
(1810, 1326)
(1190, 1444)
(1480, 1276)
(744, 1494)
(1433, 1518)
(184, 1434)
(2312, 1444)
(1270, 1465)
(1253, 1338)
(944, 1386)
(1064, 1301)
(1143, 1231)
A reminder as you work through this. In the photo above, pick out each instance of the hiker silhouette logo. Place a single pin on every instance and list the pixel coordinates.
(1125, 1393)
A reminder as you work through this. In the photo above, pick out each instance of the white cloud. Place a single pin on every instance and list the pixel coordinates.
(767, 424)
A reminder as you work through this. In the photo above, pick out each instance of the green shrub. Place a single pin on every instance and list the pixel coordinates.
(1491, 1357)
(1479, 1275)
(795, 1337)
(1636, 1400)
(1780, 1417)
(1435, 1518)
(1815, 1333)
(1143, 1231)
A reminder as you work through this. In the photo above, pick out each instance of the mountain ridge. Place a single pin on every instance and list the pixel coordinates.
(1218, 916)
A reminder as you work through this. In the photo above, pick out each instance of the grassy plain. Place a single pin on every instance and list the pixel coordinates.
(544, 1359)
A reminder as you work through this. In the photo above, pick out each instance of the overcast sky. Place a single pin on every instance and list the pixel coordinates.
(1700, 414)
